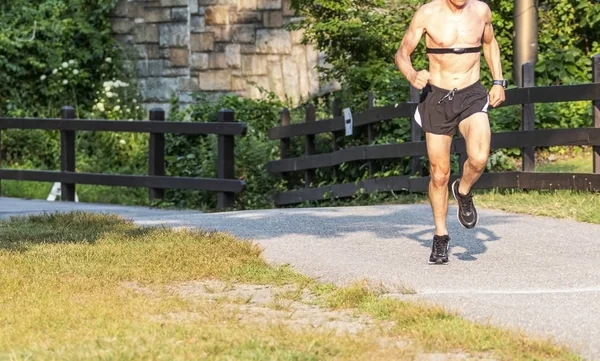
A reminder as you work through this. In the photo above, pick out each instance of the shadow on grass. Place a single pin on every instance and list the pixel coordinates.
(19, 233)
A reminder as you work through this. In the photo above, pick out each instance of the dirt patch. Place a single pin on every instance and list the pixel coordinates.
(289, 306)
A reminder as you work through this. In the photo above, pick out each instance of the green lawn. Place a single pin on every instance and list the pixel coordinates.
(80, 286)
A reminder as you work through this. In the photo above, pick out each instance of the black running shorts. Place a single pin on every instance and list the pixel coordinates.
(440, 111)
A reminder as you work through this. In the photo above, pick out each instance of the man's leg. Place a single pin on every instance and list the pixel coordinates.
(438, 151)
(477, 134)
(476, 131)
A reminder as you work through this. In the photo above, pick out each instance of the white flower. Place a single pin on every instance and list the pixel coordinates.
(71, 62)
(108, 84)
(108, 60)
(43, 77)
(54, 71)
(117, 108)
(65, 65)
(100, 106)
(134, 101)
(110, 94)
(65, 82)
(138, 107)
(75, 71)
(122, 142)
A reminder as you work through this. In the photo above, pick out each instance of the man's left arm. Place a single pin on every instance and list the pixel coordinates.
(491, 51)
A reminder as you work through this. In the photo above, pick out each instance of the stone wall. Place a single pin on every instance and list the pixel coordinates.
(216, 46)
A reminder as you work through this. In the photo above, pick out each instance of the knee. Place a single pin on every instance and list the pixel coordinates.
(478, 162)
(440, 176)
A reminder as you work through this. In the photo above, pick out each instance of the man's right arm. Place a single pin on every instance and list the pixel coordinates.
(409, 43)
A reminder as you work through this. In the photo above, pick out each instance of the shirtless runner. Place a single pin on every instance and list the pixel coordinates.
(452, 99)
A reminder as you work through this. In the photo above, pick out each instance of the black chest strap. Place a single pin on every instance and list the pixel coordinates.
(453, 50)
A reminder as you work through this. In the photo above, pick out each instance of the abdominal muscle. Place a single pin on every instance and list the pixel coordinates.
(454, 71)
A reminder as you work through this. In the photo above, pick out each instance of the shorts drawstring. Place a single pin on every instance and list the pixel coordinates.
(450, 95)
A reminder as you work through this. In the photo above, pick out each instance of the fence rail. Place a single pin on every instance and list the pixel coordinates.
(527, 139)
(226, 128)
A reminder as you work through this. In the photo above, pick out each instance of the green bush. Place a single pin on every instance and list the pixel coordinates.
(196, 156)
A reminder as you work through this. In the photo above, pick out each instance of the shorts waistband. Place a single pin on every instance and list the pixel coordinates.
(457, 91)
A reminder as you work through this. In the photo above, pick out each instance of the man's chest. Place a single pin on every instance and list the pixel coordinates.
(449, 33)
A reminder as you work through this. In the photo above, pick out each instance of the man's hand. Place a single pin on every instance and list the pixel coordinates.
(420, 79)
(497, 96)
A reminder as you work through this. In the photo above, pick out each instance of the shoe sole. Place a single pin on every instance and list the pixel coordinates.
(458, 209)
(438, 262)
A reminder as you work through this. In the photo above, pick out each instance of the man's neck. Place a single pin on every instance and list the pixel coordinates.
(456, 9)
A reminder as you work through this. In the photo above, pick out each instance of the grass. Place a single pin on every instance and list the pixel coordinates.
(85, 192)
(63, 298)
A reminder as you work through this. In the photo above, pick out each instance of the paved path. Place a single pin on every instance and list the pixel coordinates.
(537, 274)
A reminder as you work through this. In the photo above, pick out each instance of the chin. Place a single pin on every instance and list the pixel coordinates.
(459, 4)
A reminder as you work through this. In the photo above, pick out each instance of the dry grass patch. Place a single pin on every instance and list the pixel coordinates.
(83, 286)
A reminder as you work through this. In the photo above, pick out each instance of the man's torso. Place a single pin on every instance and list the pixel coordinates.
(447, 30)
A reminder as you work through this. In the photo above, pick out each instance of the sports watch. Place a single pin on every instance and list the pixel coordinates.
(504, 83)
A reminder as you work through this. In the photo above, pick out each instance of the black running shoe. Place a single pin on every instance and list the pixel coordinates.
(466, 213)
(439, 250)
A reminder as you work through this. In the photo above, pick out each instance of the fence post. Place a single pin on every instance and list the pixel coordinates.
(226, 161)
(67, 155)
(337, 135)
(371, 134)
(416, 131)
(156, 154)
(596, 110)
(309, 148)
(528, 117)
(284, 145)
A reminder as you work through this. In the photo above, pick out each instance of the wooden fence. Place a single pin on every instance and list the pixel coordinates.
(226, 128)
(527, 139)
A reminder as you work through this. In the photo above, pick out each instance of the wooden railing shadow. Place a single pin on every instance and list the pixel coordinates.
(527, 139)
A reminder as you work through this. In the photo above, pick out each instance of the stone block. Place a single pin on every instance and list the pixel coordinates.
(215, 80)
(254, 64)
(176, 72)
(244, 34)
(217, 15)
(179, 15)
(233, 55)
(287, 8)
(180, 57)
(121, 25)
(147, 51)
(217, 61)
(246, 17)
(197, 24)
(157, 15)
(256, 85)
(273, 41)
(146, 33)
(290, 78)
(135, 10)
(203, 42)
(269, 4)
(276, 78)
(273, 19)
(297, 36)
(194, 7)
(299, 55)
(199, 61)
(122, 9)
(247, 48)
(174, 35)
(247, 5)
(221, 33)
(238, 83)
(150, 68)
(173, 3)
